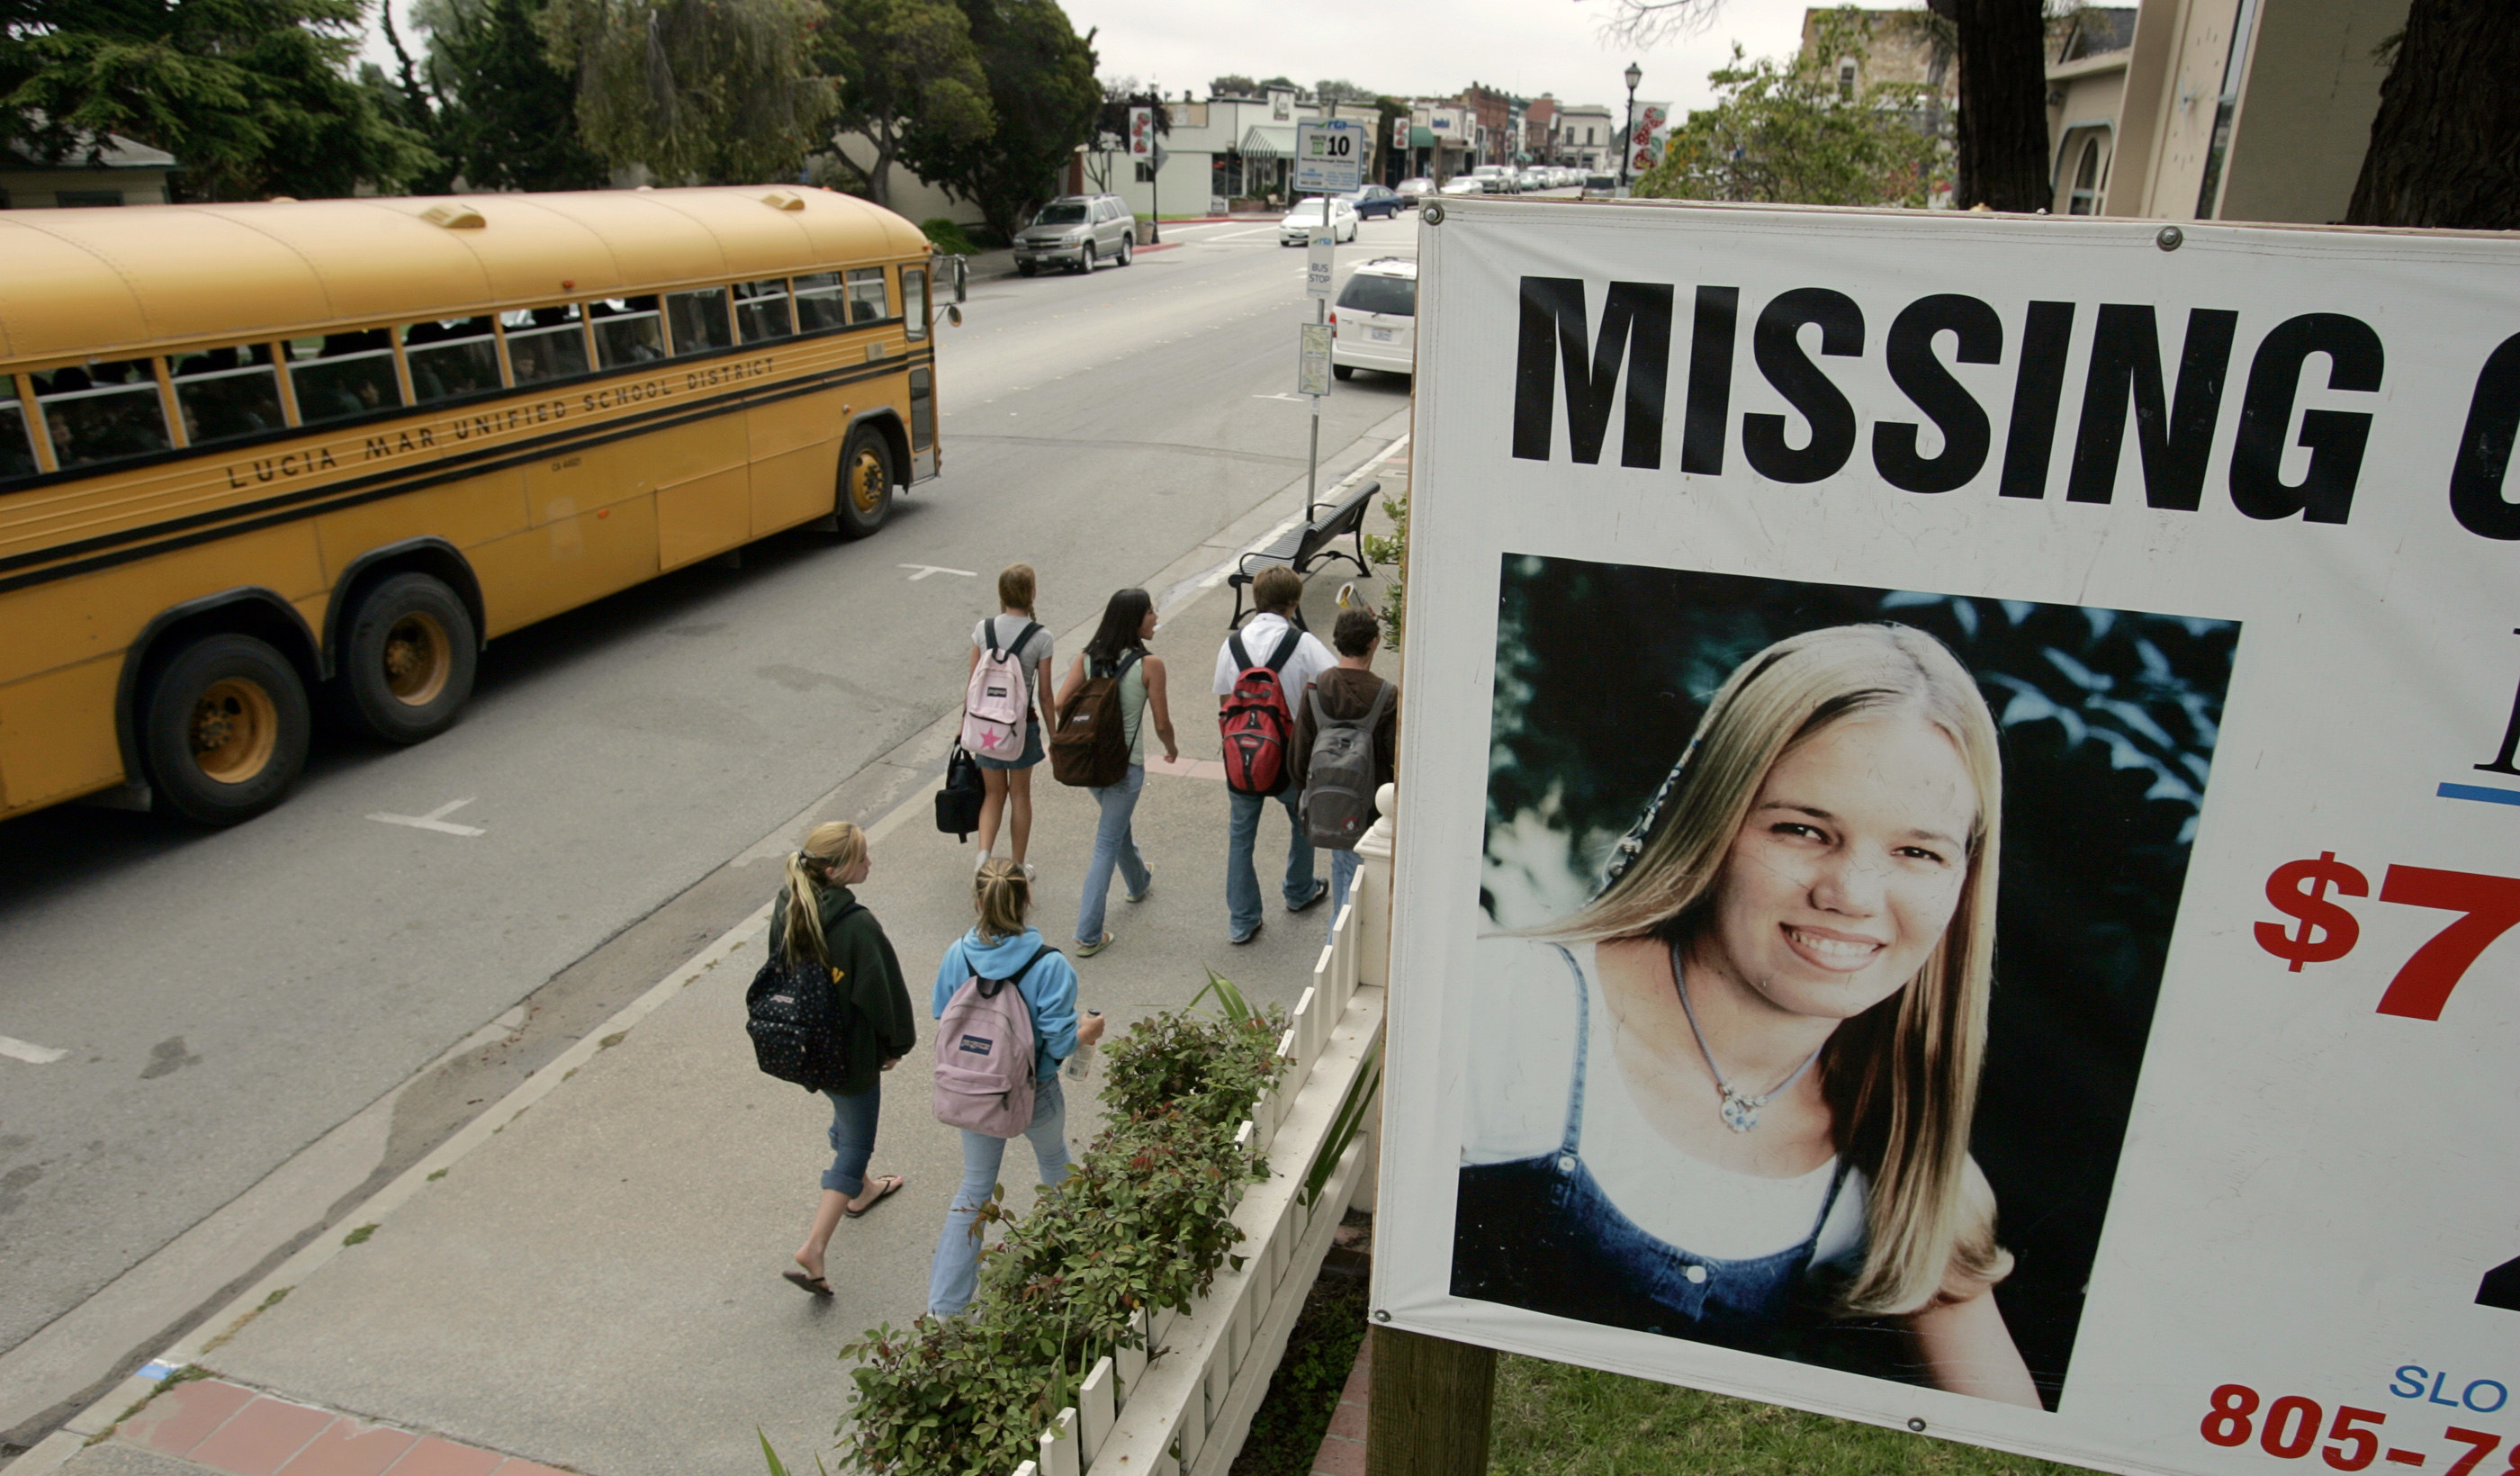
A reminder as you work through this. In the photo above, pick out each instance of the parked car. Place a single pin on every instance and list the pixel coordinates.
(1600, 186)
(1307, 216)
(1496, 179)
(1373, 323)
(1534, 179)
(1077, 231)
(1465, 183)
(1413, 191)
(1375, 202)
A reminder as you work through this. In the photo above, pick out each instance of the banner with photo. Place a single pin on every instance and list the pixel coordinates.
(1960, 825)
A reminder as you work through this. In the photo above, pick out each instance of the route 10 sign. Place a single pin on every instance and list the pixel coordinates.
(1330, 156)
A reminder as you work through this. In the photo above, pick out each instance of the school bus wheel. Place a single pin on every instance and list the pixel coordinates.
(224, 728)
(408, 661)
(866, 482)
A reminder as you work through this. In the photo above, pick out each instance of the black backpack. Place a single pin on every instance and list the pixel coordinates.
(957, 804)
(796, 1016)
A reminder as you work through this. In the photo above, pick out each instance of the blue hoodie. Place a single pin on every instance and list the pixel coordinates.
(1049, 990)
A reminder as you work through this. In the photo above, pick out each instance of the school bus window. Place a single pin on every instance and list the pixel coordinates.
(543, 343)
(451, 357)
(818, 302)
(868, 299)
(227, 392)
(17, 446)
(628, 331)
(341, 375)
(102, 412)
(914, 301)
(761, 311)
(699, 321)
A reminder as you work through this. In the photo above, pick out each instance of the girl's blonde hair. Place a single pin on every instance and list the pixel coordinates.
(1900, 1079)
(1016, 587)
(1001, 895)
(833, 847)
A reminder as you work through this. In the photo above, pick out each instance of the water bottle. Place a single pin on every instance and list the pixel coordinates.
(1081, 1064)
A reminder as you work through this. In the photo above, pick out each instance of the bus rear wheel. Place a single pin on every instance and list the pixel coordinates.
(866, 482)
(408, 664)
(224, 730)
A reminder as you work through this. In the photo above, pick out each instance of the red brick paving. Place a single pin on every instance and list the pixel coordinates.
(231, 1428)
(260, 1437)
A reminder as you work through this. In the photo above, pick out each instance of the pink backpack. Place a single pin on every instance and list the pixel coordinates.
(997, 705)
(984, 1056)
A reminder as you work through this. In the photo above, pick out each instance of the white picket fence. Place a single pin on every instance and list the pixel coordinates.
(1185, 1410)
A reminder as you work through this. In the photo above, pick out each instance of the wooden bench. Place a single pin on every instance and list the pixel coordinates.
(1309, 543)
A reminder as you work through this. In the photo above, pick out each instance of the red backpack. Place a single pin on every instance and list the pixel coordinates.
(1258, 725)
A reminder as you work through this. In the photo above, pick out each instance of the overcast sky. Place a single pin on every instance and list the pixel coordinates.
(1420, 48)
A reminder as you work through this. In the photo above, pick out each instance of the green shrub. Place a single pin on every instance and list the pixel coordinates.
(1142, 1221)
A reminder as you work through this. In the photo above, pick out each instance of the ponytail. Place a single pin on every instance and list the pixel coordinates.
(835, 846)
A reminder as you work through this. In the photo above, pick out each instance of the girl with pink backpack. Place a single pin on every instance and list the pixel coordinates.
(980, 1034)
(1006, 712)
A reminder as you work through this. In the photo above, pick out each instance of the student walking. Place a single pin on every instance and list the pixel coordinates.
(1014, 631)
(1258, 719)
(1348, 696)
(817, 914)
(1002, 946)
(1119, 648)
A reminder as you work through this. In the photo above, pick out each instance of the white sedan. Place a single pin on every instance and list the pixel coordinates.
(1302, 221)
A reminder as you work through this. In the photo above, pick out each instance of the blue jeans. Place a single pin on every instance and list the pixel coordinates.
(1113, 844)
(1241, 881)
(1344, 865)
(852, 1139)
(956, 1273)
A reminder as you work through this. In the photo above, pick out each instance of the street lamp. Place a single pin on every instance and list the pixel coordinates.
(1628, 134)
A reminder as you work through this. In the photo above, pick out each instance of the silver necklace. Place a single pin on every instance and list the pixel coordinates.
(1740, 1113)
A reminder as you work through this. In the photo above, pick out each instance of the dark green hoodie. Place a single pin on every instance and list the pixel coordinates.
(880, 1024)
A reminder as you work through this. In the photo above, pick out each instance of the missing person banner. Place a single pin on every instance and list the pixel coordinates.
(1960, 828)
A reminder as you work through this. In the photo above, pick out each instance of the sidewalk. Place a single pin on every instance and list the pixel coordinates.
(590, 1281)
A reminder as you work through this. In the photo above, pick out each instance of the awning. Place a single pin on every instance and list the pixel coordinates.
(1268, 143)
(1421, 138)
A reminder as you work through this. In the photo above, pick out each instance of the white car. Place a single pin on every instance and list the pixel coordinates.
(1464, 184)
(1373, 323)
(1302, 221)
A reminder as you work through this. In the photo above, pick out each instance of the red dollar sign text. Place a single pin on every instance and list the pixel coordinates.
(2327, 931)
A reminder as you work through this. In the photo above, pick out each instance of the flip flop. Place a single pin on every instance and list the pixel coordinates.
(895, 1180)
(815, 1284)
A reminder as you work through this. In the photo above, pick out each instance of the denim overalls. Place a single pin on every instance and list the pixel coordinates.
(1539, 1234)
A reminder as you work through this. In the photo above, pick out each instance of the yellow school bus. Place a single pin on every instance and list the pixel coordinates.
(256, 457)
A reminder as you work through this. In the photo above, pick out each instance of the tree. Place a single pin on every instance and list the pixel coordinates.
(2001, 134)
(253, 97)
(1043, 96)
(1332, 90)
(488, 99)
(2445, 146)
(910, 81)
(1233, 85)
(1782, 132)
(716, 91)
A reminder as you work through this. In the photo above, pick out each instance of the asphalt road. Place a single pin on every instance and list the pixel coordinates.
(225, 999)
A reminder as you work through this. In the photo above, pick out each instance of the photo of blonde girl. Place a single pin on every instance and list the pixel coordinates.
(1731, 1094)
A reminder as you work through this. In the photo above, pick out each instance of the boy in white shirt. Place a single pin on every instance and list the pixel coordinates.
(1276, 591)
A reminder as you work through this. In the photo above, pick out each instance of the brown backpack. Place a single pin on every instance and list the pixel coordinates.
(1090, 747)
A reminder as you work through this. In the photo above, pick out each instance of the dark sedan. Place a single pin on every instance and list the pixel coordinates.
(1377, 202)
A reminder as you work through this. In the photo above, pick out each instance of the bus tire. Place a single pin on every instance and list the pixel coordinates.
(866, 482)
(224, 728)
(408, 660)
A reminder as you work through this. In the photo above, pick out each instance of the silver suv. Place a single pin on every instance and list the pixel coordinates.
(1079, 231)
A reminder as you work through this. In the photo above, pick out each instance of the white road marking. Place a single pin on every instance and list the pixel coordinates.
(435, 820)
(925, 569)
(28, 1051)
(1298, 399)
